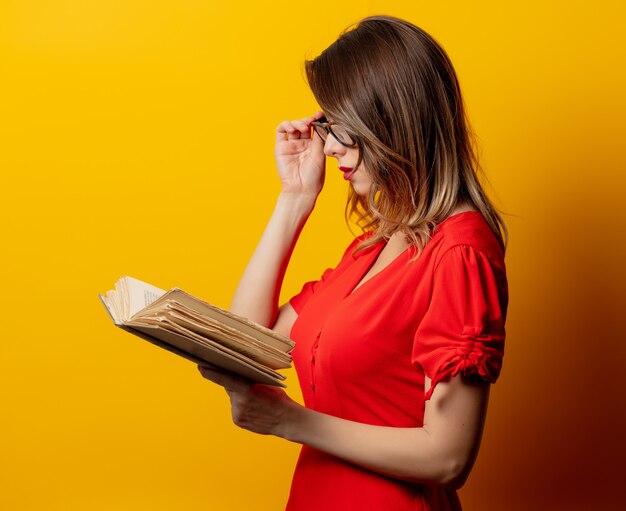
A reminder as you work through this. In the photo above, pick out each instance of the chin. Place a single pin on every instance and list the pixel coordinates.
(361, 190)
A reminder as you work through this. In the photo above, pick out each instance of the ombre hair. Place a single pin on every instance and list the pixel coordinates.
(394, 87)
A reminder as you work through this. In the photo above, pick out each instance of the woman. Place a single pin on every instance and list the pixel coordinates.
(396, 347)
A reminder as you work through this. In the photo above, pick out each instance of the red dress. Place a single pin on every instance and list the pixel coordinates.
(362, 355)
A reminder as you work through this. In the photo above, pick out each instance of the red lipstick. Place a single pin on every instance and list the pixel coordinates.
(347, 172)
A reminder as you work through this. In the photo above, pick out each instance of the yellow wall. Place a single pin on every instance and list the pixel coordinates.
(125, 124)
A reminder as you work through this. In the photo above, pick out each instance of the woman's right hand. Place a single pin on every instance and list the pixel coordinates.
(300, 159)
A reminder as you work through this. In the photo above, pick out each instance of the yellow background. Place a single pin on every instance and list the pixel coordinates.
(136, 137)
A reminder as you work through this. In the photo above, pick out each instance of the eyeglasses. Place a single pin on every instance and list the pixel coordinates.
(322, 127)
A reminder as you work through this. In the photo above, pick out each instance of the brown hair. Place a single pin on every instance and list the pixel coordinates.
(394, 87)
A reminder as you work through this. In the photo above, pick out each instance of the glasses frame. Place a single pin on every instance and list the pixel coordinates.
(326, 126)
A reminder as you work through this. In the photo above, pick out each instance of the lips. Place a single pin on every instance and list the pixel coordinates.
(347, 172)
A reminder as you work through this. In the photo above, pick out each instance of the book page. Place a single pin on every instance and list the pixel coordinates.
(232, 340)
(136, 295)
(225, 317)
(198, 331)
(200, 352)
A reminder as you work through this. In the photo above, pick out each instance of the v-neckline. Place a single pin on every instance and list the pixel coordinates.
(378, 248)
(375, 252)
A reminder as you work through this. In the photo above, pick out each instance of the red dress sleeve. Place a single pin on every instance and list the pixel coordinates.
(463, 330)
(310, 288)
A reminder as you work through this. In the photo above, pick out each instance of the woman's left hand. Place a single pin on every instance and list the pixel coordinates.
(259, 408)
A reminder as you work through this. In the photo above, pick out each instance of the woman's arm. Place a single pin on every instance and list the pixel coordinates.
(258, 291)
(441, 452)
(301, 166)
(284, 321)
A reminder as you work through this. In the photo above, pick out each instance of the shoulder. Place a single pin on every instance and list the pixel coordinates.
(468, 234)
(349, 252)
(469, 267)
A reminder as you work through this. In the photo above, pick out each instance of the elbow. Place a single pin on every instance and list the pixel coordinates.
(454, 474)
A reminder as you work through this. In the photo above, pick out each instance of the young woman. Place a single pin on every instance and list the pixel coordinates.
(396, 346)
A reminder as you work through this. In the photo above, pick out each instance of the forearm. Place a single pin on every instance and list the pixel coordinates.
(406, 453)
(442, 451)
(258, 291)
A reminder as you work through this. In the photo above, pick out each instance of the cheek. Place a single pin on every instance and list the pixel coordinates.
(353, 153)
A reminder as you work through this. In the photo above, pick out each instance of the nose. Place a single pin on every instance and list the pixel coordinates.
(332, 147)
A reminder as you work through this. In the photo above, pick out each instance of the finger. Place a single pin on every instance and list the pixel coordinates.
(294, 130)
(227, 380)
(303, 127)
(317, 142)
(285, 130)
(311, 118)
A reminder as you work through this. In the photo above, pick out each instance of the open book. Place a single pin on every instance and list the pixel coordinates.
(199, 331)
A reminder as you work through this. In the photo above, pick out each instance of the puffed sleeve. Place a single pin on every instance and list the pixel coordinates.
(310, 288)
(463, 330)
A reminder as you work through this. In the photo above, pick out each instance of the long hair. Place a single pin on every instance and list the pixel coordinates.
(394, 87)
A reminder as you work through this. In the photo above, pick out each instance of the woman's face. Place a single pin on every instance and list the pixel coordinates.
(346, 161)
